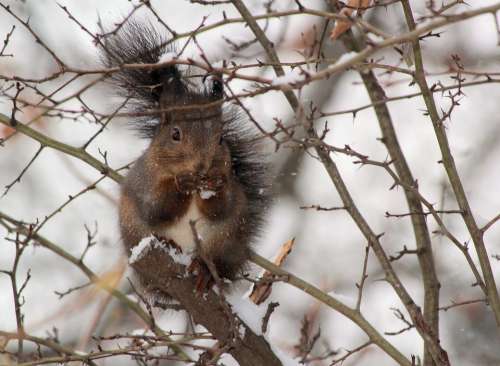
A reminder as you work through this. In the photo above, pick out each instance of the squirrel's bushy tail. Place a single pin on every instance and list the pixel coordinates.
(252, 168)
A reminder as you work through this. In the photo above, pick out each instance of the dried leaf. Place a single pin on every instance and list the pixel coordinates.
(262, 289)
(285, 250)
(111, 278)
(6, 131)
(342, 26)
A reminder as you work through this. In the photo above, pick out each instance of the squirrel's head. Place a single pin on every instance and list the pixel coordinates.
(179, 109)
(189, 135)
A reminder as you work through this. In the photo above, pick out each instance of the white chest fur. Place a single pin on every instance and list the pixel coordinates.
(181, 231)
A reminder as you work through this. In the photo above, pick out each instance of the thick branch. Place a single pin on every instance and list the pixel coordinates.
(208, 309)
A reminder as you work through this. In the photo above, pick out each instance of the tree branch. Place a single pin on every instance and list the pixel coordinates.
(60, 146)
(451, 169)
(169, 278)
(421, 232)
(333, 172)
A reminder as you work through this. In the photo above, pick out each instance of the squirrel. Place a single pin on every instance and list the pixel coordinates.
(204, 165)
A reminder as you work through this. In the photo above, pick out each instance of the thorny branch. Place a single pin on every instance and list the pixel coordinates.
(34, 100)
(438, 354)
(452, 172)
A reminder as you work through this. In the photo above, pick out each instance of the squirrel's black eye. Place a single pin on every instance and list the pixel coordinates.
(221, 140)
(176, 134)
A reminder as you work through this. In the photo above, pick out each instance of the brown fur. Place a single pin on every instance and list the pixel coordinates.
(213, 150)
(169, 176)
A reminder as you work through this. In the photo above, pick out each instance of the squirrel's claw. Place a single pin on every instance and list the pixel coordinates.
(204, 279)
(214, 183)
(186, 183)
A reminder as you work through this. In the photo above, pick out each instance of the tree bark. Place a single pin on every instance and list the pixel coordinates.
(171, 280)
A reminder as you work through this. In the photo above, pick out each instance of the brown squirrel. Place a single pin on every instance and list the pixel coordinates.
(203, 165)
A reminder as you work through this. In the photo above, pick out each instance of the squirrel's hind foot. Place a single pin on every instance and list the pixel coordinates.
(204, 279)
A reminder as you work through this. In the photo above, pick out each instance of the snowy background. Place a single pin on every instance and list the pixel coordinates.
(329, 248)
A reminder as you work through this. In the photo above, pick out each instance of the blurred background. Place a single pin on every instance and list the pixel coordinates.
(329, 248)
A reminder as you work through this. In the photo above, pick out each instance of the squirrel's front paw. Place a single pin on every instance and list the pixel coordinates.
(186, 183)
(214, 182)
